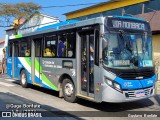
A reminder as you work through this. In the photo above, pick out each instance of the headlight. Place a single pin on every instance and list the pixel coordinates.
(113, 84)
(109, 82)
(117, 86)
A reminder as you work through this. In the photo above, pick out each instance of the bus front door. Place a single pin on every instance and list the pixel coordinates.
(36, 57)
(87, 63)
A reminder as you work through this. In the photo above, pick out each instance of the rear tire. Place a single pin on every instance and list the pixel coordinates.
(69, 92)
(23, 79)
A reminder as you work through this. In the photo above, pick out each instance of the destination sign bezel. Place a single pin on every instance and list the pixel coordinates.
(126, 24)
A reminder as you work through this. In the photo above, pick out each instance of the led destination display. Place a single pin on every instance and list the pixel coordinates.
(128, 25)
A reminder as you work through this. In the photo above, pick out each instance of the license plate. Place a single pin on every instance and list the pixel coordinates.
(140, 93)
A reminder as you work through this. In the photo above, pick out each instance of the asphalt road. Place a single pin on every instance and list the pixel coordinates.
(46, 103)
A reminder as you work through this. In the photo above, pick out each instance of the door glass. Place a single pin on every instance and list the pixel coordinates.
(91, 62)
(84, 63)
(37, 48)
(16, 49)
(37, 60)
(87, 62)
(16, 59)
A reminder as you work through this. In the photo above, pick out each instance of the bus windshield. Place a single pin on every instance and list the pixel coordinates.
(127, 49)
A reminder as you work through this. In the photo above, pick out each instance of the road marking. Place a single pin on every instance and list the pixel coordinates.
(6, 84)
(2, 77)
(10, 80)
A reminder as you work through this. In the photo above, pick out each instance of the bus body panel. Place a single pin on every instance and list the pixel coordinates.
(53, 69)
(129, 89)
(24, 63)
(16, 71)
(98, 82)
(9, 66)
(136, 84)
(114, 96)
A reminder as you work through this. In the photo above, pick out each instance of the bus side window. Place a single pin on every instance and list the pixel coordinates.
(71, 46)
(66, 45)
(50, 46)
(10, 49)
(25, 48)
(16, 49)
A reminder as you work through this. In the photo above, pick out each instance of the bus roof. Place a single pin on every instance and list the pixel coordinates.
(130, 17)
(57, 25)
(61, 26)
(70, 24)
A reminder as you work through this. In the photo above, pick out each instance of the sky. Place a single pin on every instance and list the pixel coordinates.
(57, 12)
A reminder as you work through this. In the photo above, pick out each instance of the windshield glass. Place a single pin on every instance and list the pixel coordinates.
(122, 49)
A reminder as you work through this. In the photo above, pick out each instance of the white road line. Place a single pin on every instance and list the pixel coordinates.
(10, 80)
(6, 84)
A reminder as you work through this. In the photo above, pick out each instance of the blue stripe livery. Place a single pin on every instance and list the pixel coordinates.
(57, 25)
(136, 84)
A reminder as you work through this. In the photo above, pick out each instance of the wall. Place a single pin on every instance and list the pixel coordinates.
(102, 8)
(156, 49)
(36, 22)
(1, 52)
(8, 34)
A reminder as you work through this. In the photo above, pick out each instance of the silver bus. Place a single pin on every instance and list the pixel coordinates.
(105, 59)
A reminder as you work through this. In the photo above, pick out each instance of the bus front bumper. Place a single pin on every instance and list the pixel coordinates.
(111, 95)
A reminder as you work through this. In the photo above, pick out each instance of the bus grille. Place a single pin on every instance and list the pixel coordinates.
(136, 75)
(132, 94)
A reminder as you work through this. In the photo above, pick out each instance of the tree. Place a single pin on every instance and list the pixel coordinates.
(11, 12)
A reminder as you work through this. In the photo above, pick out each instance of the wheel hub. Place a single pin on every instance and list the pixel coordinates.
(68, 89)
(23, 79)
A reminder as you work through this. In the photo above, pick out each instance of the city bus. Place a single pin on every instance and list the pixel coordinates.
(103, 59)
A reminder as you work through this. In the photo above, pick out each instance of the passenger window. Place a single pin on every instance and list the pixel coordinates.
(25, 49)
(16, 49)
(50, 48)
(66, 45)
(10, 49)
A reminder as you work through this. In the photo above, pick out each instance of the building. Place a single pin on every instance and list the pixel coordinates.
(35, 22)
(12, 31)
(2, 42)
(147, 9)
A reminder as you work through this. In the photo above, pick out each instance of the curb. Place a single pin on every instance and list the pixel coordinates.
(157, 97)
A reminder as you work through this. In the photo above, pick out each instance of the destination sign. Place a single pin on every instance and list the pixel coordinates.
(128, 25)
(116, 24)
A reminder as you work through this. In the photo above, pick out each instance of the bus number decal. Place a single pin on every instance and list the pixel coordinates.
(73, 72)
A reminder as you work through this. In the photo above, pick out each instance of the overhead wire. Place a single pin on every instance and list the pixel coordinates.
(72, 5)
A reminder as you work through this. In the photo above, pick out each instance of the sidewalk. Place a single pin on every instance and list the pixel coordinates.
(157, 97)
(4, 76)
(158, 88)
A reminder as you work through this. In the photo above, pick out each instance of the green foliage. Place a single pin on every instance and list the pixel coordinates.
(18, 11)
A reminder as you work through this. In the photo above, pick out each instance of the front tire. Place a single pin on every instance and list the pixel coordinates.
(23, 79)
(69, 92)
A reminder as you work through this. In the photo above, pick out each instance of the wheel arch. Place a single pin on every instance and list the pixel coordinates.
(61, 78)
(21, 70)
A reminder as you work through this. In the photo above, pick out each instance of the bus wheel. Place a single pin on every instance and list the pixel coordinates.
(68, 89)
(23, 79)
